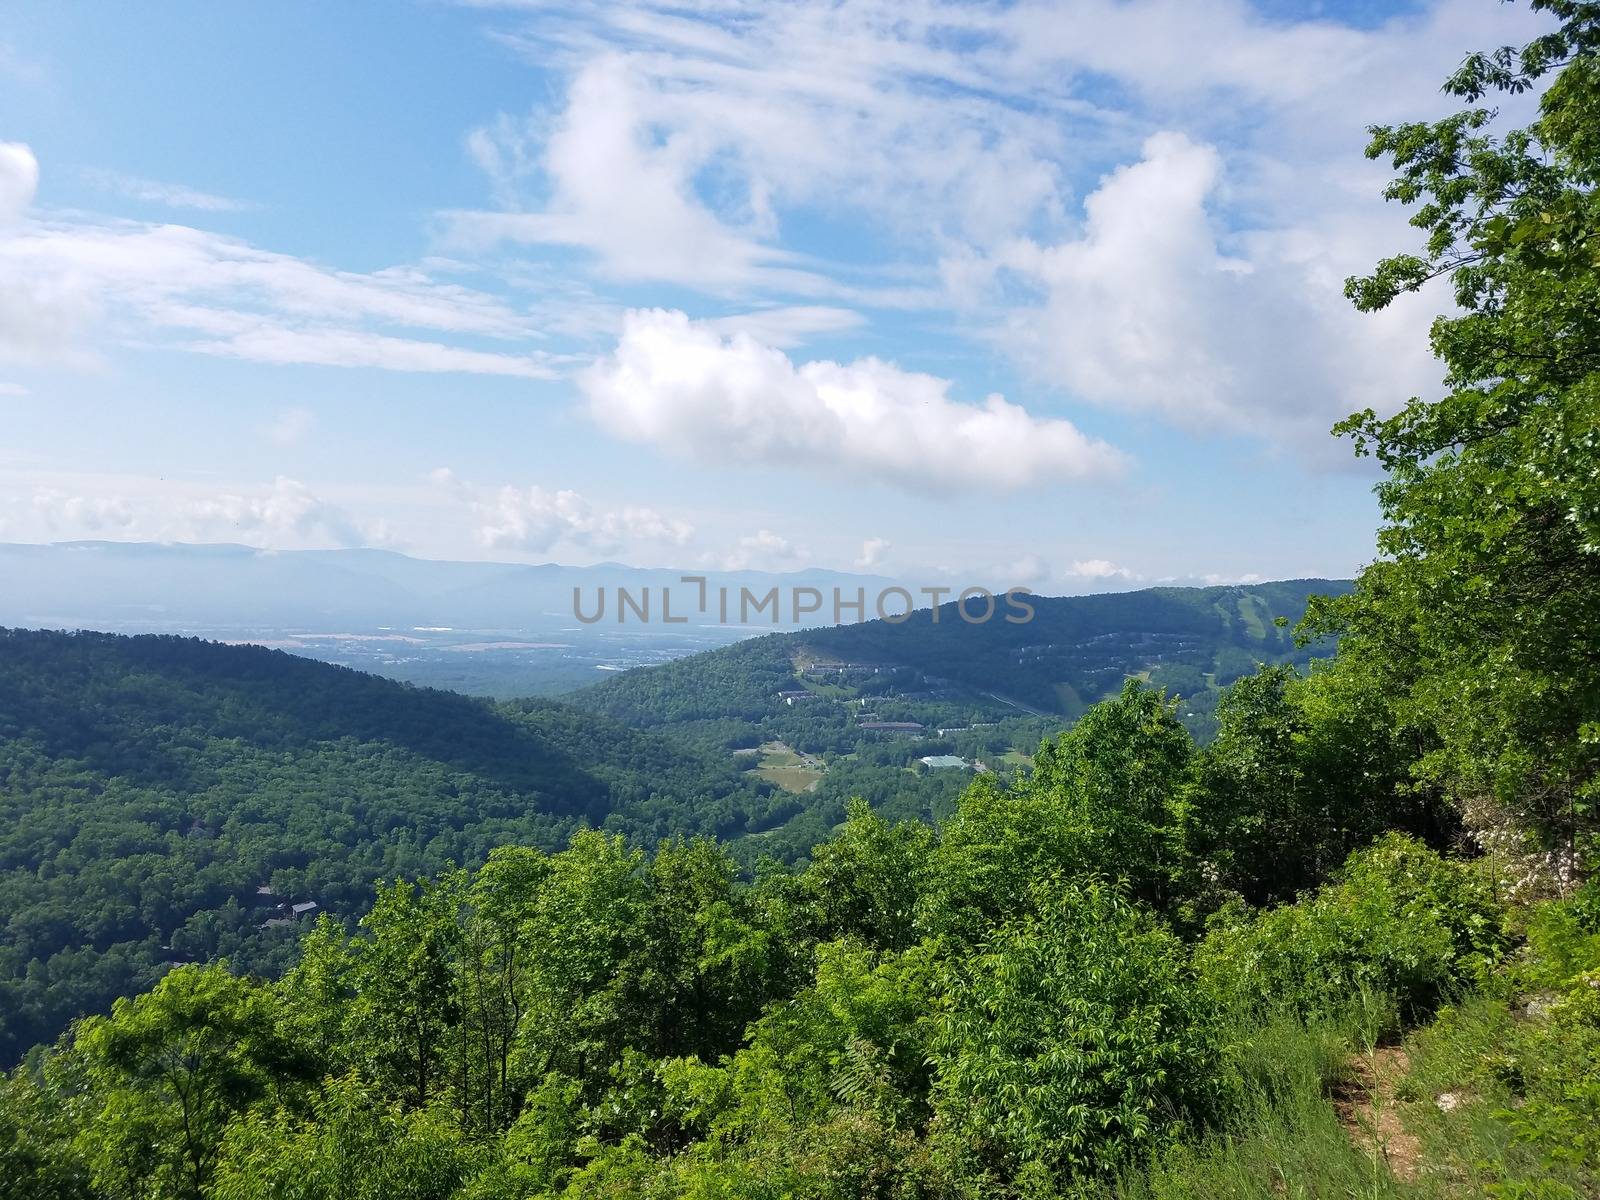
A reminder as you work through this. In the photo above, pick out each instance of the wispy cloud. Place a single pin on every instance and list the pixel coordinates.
(152, 191)
(80, 282)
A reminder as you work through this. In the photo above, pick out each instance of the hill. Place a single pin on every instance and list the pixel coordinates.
(886, 710)
(1075, 650)
(151, 786)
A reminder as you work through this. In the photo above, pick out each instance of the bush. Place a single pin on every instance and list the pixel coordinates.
(1073, 1040)
(1401, 920)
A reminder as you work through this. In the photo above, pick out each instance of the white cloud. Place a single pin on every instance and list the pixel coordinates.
(19, 178)
(1100, 568)
(173, 195)
(12, 389)
(681, 143)
(268, 343)
(703, 145)
(787, 326)
(872, 553)
(1027, 571)
(83, 514)
(685, 388)
(287, 515)
(1146, 311)
(534, 520)
(762, 550)
(73, 283)
(290, 511)
(1215, 580)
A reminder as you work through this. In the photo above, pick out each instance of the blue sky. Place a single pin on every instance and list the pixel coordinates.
(1043, 293)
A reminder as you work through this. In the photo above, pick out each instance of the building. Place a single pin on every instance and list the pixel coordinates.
(940, 762)
(892, 726)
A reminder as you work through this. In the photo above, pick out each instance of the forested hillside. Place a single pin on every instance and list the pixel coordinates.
(864, 705)
(150, 786)
(1073, 651)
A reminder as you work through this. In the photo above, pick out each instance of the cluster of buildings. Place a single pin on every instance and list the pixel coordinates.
(287, 913)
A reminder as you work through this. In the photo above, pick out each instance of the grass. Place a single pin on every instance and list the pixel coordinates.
(1344, 1109)
(786, 768)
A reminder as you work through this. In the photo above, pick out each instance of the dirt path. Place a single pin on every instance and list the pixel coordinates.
(1370, 1113)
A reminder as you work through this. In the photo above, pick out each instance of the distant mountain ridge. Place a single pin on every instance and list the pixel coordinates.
(156, 586)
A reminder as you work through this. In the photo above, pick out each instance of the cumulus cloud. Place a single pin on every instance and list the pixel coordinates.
(1100, 568)
(535, 520)
(689, 390)
(701, 145)
(1147, 311)
(288, 511)
(762, 550)
(872, 553)
(621, 193)
(1028, 571)
(287, 515)
(83, 513)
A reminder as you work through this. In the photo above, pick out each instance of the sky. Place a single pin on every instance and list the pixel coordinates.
(1044, 294)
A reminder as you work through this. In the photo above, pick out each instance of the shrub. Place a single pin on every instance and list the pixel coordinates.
(1074, 1039)
(1401, 920)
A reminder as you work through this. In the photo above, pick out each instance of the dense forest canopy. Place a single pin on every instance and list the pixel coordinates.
(1348, 946)
(150, 786)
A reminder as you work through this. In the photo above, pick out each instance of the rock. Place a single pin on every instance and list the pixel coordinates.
(1447, 1101)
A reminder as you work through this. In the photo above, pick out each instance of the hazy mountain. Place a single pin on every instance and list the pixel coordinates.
(147, 586)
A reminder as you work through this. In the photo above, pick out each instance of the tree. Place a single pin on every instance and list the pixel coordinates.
(1303, 771)
(169, 1069)
(1482, 616)
(404, 974)
(868, 879)
(1107, 798)
(355, 1145)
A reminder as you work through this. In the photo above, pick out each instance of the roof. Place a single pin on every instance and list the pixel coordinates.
(303, 908)
(942, 760)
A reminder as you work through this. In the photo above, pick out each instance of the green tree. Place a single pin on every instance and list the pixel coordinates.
(405, 1007)
(353, 1145)
(169, 1069)
(868, 880)
(1482, 617)
(1108, 798)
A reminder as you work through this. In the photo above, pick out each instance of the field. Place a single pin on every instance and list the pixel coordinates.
(784, 767)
